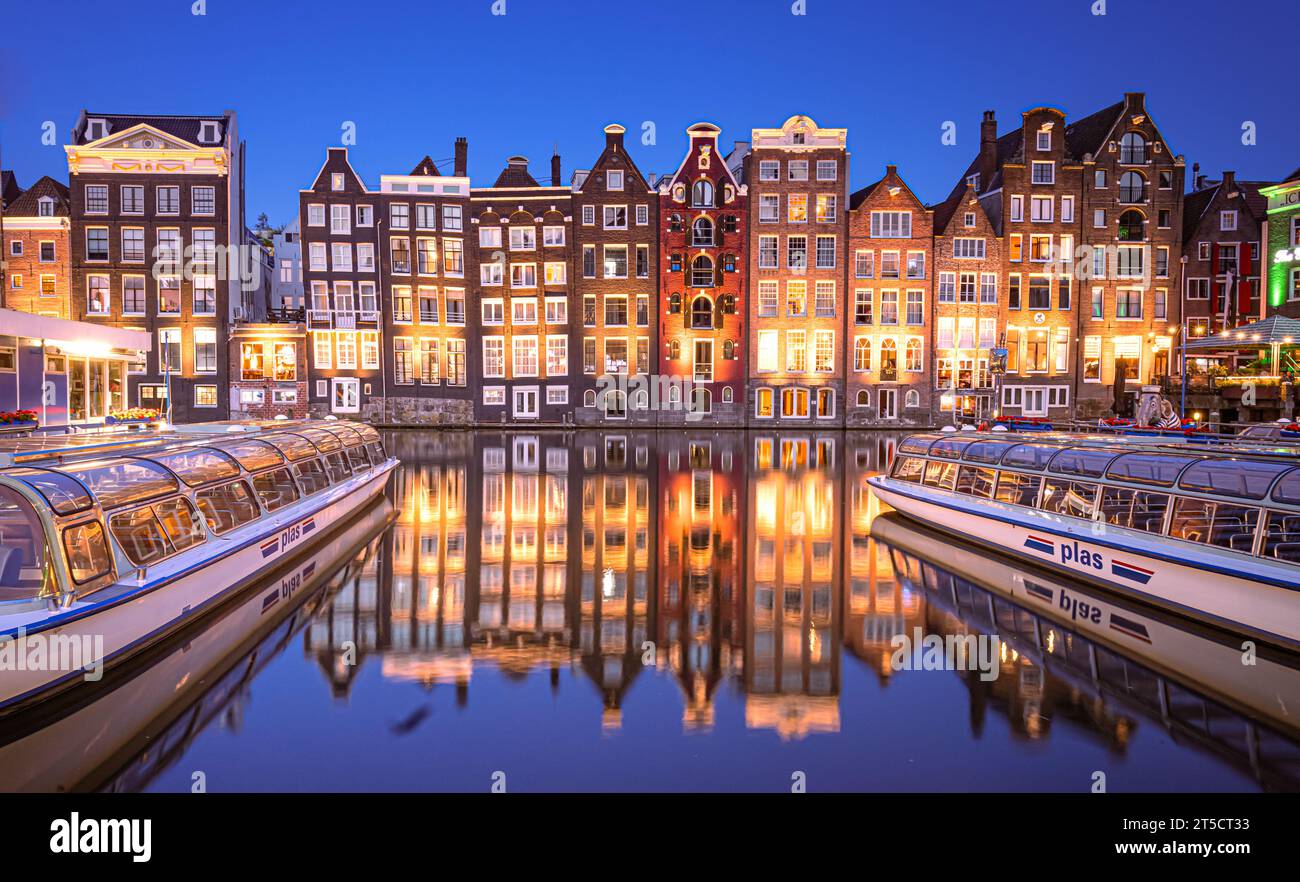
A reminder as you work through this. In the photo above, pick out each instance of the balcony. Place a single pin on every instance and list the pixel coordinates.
(286, 315)
(345, 320)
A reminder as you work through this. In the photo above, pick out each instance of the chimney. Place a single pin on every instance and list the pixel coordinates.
(555, 170)
(614, 137)
(988, 158)
(1229, 181)
(1136, 102)
(462, 157)
(891, 170)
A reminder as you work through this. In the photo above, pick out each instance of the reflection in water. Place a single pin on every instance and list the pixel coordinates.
(702, 610)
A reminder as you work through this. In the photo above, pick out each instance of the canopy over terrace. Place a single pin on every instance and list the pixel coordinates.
(1275, 331)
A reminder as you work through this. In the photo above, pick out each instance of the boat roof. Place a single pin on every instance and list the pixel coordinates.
(1229, 447)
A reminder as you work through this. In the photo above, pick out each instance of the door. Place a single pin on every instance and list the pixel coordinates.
(1035, 401)
(888, 404)
(525, 403)
(346, 397)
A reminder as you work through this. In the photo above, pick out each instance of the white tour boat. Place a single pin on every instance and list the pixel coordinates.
(108, 544)
(1211, 533)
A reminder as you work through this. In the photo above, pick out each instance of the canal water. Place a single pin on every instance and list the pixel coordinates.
(665, 611)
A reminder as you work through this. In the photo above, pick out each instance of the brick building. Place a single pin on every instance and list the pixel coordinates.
(268, 370)
(970, 314)
(1283, 246)
(522, 298)
(702, 219)
(36, 243)
(890, 235)
(1132, 217)
(157, 236)
(1223, 223)
(615, 287)
(797, 177)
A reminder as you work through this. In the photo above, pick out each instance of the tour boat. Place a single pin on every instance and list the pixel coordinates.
(110, 545)
(1210, 532)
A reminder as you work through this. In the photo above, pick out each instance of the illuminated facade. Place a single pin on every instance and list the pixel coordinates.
(36, 240)
(1282, 252)
(157, 230)
(797, 176)
(702, 216)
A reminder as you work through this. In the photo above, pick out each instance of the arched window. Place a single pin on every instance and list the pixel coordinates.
(914, 355)
(888, 358)
(726, 395)
(1132, 226)
(702, 231)
(674, 393)
(702, 194)
(675, 303)
(1132, 187)
(912, 399)
(702, 272)
(615, 404)
(674, 349)
(864, 398)
(728, 303)
(701, 312)
(701, 400)
(640, 401)
(1133, 148)
(728, 349)
(589, 398)
(862, 354)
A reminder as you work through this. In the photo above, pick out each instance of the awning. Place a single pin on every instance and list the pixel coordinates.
(1276, 330)
(74, 338)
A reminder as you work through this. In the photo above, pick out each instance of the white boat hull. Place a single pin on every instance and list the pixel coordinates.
(117, 622)
(1257, 598)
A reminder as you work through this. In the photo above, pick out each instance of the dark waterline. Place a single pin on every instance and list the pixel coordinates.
(685, 611)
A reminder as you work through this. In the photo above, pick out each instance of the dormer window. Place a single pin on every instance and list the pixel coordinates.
(45, 207)
(96, 129)
(336, 181)
(970, 219)
(208, 133)
(614, 180)
(1044, 139)
(800, 138)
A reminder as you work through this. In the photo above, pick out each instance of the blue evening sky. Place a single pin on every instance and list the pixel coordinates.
(414, 74)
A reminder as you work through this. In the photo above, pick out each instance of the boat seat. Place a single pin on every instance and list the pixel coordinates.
(1288, 551)
(1242, 542)
(11, 566)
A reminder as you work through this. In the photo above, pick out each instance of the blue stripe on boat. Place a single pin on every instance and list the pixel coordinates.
(1046, 546)
(1129, 571)
(308, 526)
(1130, 627)
(270, 548)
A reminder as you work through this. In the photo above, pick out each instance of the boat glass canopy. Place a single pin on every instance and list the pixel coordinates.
(198, 466)
(1243, 478)
(124, 481)
(63, 494)
(1157, 469)
(252, 454)
(294, 447)
(325, 441)
(1029, 456)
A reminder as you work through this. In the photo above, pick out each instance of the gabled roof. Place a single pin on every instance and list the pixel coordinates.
(426, 168)
(1088, 134)
(631, 167)
(515, 174)
(1198, 202)
(9, 189)
(703, 131)
(26, 205)
(861, 196)
(1295, 175)
(185, 127)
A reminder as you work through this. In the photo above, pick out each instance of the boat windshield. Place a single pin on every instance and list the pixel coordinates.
(294, 447)
(124, 481)
(63, 494)
(198, 466)
(1243, 478)
(252, 455)
(24, 553)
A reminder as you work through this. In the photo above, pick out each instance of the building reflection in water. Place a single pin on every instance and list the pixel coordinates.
(719, 559)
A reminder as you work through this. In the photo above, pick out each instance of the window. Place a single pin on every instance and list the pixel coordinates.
(701, 313)
(494, 364)
(1132, 149)
(365, 218)
(1128, 303)
(825, 299)
(227, 507)
(827, 169)
(96, 199)
(968, 249)
(1044, 139)
(133, 199)
(797, 208)
(889, 306)
(1132, 226)
(864, 264)
(133, 297)
(826, 255)
(1132, 187)
(796, 297)
(399, 216)
(862, 303)
(797, 169)
(797, 252)
(702, 194)
(891, 224)
(827, 208)
(702, 272)
(615, 217)
(525, 356)
(767, 252)
(642, 214)
(862, 354)
(203, 201)
(400, 248)
(702, 232)
(916, 264)
(169, 349)
(97, 297)
(426, 217)
(1043, 173)
(1040, 293)
(915, 307)
(1228, 221)
(523, 275)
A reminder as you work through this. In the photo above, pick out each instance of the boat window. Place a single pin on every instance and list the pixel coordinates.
(337, 467)
(1148, 468)
(311, 477)
(65, 495)
(253, 455)
(87, 552)
(1073, 498)
(1288, 489)
(357, 456)
(1244, 478)
(1215, 523)
(909, 468)
(976, 481)
(140, 536)
(367, 433)
(124, 481)
(276, 489)
(199, 466)
(916, 444)
(949, 448)
(294, 447)
(180, 522)
(1134, 509)
(1029, 456)
(227, 506)
(324, 441)
(346, 434)
(1018, 489)
(1082, 462)
(940, 474)
(986, 451)
(23, 550)
(1282, 537)
(376, 449)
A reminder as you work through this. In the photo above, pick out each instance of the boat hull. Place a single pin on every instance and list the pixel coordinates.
(117, 623)
(1199, 584)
